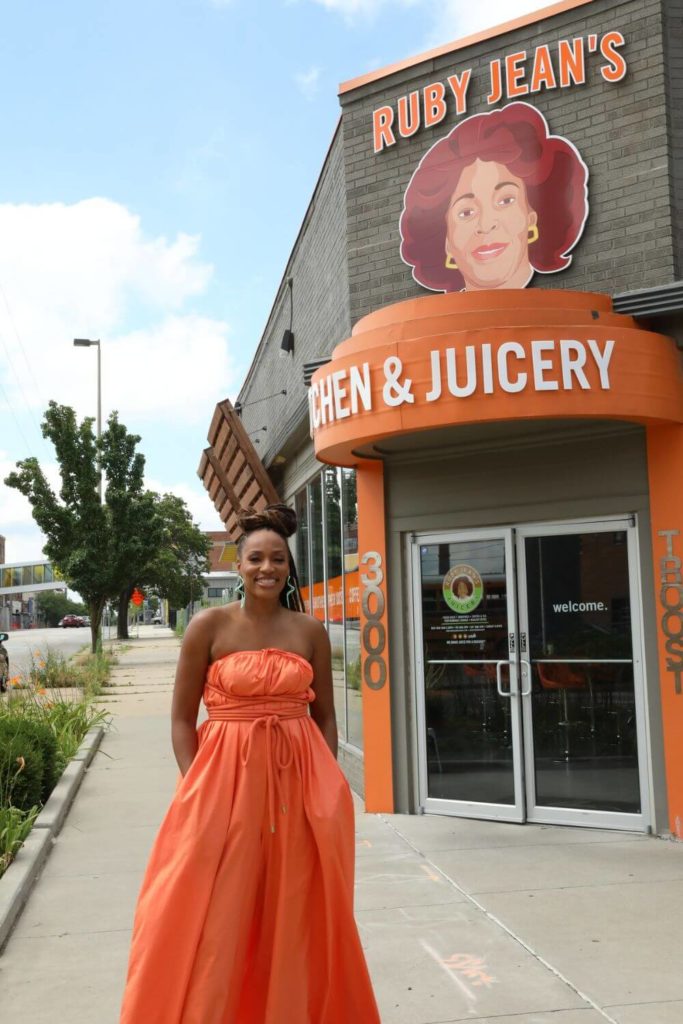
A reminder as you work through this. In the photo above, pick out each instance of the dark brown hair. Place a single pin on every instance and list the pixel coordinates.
(281, 519)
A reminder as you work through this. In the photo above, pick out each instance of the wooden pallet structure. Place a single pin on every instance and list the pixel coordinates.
(231, 470)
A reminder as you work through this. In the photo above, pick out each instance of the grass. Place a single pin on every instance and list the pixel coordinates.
(15, 825)
(57, 693)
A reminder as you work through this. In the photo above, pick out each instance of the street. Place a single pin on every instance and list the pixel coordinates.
(27, 645)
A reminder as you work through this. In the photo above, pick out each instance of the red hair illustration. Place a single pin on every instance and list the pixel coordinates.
(496, 199)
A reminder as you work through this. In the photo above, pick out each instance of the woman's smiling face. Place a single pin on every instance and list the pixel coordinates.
(487, 227)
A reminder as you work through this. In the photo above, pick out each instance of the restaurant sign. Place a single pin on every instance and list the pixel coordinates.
(523, 73)
(476, 369)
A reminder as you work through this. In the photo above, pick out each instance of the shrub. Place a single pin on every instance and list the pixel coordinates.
(54, 671)
(22, 766)
(15, 825)
(53, 762)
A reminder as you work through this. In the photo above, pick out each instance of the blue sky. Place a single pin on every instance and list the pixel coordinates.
(158, 158)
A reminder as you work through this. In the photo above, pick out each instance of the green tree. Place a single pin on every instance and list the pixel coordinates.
(136, 529)
(91, 543)
(182, 559)
(53, 605)
(171, 560)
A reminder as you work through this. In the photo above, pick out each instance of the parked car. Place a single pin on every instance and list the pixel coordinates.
(4, 663)
(71, 620)
(157, 619)
(86, 620)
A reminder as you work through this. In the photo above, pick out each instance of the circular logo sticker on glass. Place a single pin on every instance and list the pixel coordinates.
(463, 589)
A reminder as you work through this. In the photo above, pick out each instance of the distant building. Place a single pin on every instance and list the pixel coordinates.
(220, 581)
(19, 583)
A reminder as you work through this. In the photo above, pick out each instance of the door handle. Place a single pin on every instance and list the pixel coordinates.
(499, 679)
(526, 668)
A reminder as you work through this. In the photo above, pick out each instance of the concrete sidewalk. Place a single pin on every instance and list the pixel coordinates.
(461, 920)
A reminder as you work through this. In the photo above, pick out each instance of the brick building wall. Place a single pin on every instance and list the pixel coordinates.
(317, 267)
(673, 38)
(620, 129)
(219, 539)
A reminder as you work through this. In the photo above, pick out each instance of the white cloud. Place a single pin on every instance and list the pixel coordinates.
(195, 497)
(354, 10)
(308, 82)
(89, 270)
(176, 370)
(445, 20)
(453, 19)
(24, 539)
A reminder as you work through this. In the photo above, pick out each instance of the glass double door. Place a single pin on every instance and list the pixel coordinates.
(529, 674)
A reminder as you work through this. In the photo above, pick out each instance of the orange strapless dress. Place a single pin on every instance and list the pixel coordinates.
(245, 915)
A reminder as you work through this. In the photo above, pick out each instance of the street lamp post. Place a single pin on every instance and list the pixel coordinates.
(87, 343)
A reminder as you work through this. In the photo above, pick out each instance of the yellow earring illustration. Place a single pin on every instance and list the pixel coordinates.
(533, 234)
(450, 262)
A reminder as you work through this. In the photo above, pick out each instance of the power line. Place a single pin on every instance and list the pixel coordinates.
(21, 344)
(16, 421)
(19, 385)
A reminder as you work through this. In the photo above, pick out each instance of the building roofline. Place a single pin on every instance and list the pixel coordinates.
(287, 271)
(459, 44)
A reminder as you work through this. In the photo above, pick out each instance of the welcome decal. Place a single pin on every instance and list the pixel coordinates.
(522, 73)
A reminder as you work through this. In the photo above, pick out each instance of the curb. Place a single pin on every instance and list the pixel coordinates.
(19, 878)
(56, 809)
(89, 746)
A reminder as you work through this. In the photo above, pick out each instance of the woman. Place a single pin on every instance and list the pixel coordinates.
(246, 911)
(494, 201)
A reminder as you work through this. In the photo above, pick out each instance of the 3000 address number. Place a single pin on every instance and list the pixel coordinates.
(374, 633)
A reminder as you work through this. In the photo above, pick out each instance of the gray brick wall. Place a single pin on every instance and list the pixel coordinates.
(620, 129)
(318, 269)
(673, 42)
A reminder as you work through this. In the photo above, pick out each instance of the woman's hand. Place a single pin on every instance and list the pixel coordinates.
(322, 708)
(187, 693)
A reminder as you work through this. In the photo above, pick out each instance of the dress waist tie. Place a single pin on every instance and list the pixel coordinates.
(279, 750)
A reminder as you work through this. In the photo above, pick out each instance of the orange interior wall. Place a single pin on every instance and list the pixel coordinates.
(379, 790)
(665, 469)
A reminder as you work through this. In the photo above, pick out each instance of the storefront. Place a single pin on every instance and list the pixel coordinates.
(486, 301)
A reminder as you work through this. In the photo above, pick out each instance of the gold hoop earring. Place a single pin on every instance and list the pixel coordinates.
(533, 234)
(450, 263)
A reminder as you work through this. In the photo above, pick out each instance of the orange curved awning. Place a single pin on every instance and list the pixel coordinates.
(483, 357)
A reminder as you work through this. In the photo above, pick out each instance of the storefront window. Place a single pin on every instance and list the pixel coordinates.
(335, 601)
(38, 573)
(317, 580)
(301, 553)
(48, 574)
(327, 563)
(352, 608)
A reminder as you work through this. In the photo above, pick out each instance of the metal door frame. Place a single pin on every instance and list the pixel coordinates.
(514, 812)
(640, 822)
(521, 709)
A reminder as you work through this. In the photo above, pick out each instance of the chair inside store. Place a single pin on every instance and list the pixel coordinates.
(563, 679)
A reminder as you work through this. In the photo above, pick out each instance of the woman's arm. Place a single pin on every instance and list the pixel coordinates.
(187, 692)
(322, 708)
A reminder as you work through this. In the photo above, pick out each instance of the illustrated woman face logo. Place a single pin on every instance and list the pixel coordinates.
(496, 200)
(489, 225)
(462, 587)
